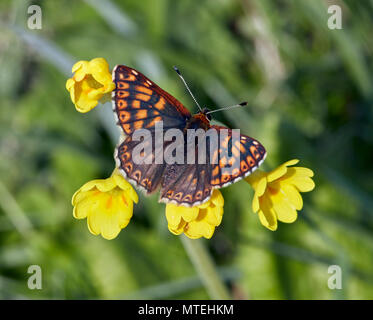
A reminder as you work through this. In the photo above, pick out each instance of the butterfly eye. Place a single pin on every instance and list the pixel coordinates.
(208, 116)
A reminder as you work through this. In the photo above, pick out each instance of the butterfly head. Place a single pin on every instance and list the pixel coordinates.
(206, 114)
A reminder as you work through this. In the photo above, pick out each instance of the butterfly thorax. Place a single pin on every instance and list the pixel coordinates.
(198, 121)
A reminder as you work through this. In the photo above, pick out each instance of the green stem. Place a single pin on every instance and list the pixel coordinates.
(206, 268)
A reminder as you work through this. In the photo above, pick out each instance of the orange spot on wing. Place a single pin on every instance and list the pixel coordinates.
(223, 162)
(242, 148)
(137, 175)
(144, 90)
(136, 104)
(250, 161)
(125, 156)
(138, 125)
(244, 166)
(122, 85)
(142, 97)
(214, 159)
(141, 114)
(224, 143)
(122, 94)
(225, 178)
(254, 152)
(128, 167)
(130, 77)
(127, 128)
(215, 171)
(152, 123)
(160, 104)
(124, 116)
(188, 197)
(178, 196)
(122, 104)
(235, 152)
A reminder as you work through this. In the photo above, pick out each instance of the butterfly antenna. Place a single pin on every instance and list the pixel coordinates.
(190, 92)
(242, 104)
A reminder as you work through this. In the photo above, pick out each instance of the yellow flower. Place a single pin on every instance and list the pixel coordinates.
(91, 81)
(106, 203)
(277, 194)
(196, 222)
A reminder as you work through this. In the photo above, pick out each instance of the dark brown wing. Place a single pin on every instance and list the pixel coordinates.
(143, 175)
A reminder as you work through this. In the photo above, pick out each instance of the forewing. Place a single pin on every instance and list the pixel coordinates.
(139, 103)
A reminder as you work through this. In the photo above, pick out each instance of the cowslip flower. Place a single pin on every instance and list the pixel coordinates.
(196, 222)
(106, 203)
(90, 83)
(277, 193)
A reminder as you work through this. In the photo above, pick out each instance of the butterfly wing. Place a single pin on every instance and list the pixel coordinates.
(247, 154)
(186, 184)
(145, 176)
(139, 103)
(192, 184)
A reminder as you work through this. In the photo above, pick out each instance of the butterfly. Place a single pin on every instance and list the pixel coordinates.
(138, 103)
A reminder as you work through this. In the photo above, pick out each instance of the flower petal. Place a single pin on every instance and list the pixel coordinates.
(125, 185)
(267, 215)
(301, 171)
(280, 171)
(197, 230)
(178, 229)
(266, 221)
(173, 215)
(188, 214)
(285, 212)
(292, 195)
(83, 208)
(212, 216)
(79, 65)
(259, 191)
(69, 84)
(298, 178)
(99, 68)
(217, 198)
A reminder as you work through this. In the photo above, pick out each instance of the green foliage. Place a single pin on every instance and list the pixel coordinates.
(310, 97)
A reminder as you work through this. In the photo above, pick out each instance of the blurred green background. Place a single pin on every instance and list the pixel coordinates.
(310, 96)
